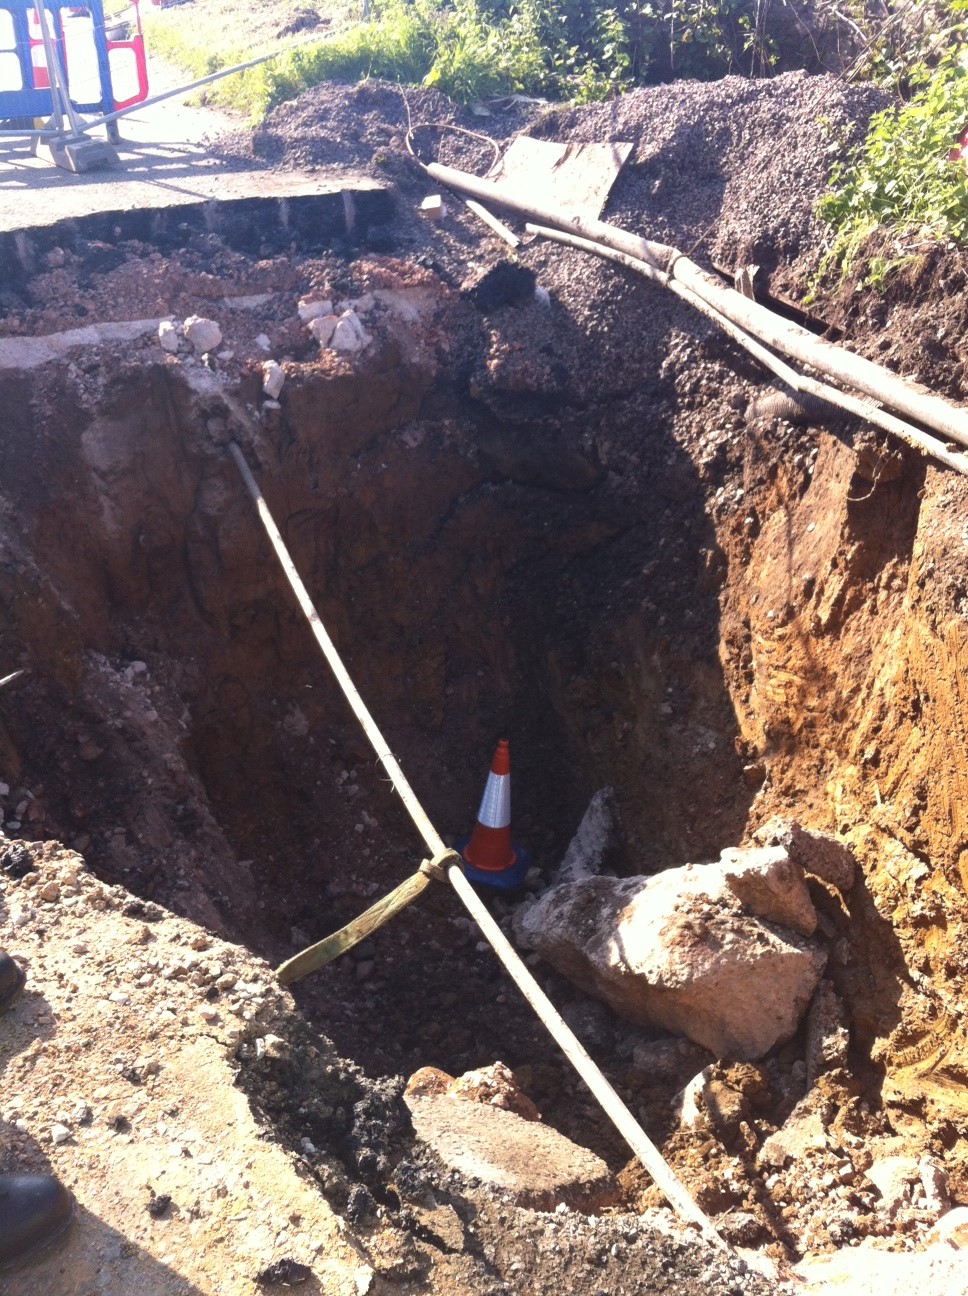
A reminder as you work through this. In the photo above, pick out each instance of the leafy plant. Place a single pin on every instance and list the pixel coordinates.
(901, 181)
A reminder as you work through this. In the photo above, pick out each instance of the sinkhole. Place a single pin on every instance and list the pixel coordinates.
(539, 516)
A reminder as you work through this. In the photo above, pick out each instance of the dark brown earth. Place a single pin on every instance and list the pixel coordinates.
(553, 522)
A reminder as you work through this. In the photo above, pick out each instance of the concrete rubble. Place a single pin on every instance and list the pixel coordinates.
(534, 1165)
(722, 953)
(168, 336)
(273, 379)
(204, 334)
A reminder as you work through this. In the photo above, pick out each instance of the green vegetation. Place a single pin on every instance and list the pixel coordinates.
(561, 49)
(901, 189)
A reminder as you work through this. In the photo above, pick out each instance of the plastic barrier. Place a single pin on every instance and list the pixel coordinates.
(91, 52)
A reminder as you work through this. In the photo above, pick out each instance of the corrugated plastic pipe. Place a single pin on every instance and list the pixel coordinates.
(669, 265)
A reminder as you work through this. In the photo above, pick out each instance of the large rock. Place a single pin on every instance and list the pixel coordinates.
(698, 950)
(204, 334)
(533, 1164)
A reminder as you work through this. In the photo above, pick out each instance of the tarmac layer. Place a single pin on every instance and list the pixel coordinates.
(166, 157)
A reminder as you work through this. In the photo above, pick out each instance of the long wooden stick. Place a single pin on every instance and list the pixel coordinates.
(611, 1103)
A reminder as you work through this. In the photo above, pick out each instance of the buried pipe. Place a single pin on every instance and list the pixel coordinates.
(797, 382)
(613, 1106)
(669, 264)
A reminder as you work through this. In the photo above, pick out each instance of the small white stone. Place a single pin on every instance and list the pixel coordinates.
(273, 379)
(118, 997)
(59, 1134)
(168, 336)
(542, 296)
(204, 334)
(349, 334)
(310, 310)
(433, 208)
(262, 342)
(4, 789)
(208, 1013)
(322, 328)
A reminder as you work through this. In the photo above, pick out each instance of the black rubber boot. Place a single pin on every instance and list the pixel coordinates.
(12, 978)
(35, 1211)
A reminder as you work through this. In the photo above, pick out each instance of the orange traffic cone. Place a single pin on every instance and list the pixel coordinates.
(490, 858)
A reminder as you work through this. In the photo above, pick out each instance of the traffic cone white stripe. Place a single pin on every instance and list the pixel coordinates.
(495, 811)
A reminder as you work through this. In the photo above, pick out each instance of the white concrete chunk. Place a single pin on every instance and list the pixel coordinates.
(273, 379)
(204, 334)
(682, 951)
(349, 334)
(168, 336)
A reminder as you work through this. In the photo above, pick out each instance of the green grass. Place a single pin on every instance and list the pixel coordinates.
(461, 49)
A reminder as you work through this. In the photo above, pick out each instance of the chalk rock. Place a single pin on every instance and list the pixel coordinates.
(204, 334)
(770, 885)
(594, 841)
(168, 336)
(433, 208)
(951, 1230)
(310, 310)
(531, 1163)
(349, 334)
(322, 328)
(893, 1178)
(273, 379)
(680, 950)
(814, 852)
(803, 1132)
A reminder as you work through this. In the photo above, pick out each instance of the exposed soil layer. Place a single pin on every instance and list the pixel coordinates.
(551, 521)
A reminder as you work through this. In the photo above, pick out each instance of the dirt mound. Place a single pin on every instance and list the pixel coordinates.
(729, 170)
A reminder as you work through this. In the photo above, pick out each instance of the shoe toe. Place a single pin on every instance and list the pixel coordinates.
(12, 978)
(34, 1211)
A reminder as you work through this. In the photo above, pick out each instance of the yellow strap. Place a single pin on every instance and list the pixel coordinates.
(324, 951)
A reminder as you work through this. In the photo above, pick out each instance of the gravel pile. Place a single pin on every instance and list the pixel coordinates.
(729, 171)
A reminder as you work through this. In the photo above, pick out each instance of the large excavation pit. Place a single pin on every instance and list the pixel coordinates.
(558, 517)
